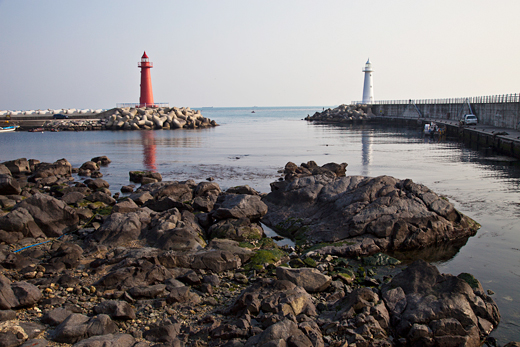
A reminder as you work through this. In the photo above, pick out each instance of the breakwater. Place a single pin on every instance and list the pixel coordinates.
(501, 111)
(118, 119)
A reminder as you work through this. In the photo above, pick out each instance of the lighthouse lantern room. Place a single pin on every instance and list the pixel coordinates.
(146, 98)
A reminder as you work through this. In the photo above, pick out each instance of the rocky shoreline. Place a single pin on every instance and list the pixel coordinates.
(187, 264)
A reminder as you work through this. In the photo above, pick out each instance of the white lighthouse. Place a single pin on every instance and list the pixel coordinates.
(368, 88)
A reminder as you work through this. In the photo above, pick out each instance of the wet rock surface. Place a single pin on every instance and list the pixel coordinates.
(187, 264)
(363, 215)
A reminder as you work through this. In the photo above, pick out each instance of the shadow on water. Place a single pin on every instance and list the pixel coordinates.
(436, 254)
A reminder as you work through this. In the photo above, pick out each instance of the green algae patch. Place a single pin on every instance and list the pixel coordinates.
(310, 262)
(248, 245)
(264, 257)
(289, 226)
(469, 279)
(346, 276)
(266, 243)
(263, 243)
(294, 229)
(104, 211)
(473, 224)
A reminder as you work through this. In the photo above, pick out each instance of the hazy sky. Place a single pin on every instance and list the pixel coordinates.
(84, 54)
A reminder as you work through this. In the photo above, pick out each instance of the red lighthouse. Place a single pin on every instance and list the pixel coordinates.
(146, 98)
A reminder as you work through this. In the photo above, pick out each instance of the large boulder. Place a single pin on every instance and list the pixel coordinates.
(120, 228)
(236, 229)
(21, 221)
(18, 294)
(108, 340)
(141, 274)
(140, 176)
(273, 297)
(18, 166)
(241, 206)
(433, 309)
(173, 230)
(390, 214)
(220, 255)
(9, 185)
(51, 215)
(26, 293)
(8, 298)
(60, 168)
(78, 327)
(283, 333)
(116, 309)
(96, 184)
(363, 312)
(4, 170)
(310, 279)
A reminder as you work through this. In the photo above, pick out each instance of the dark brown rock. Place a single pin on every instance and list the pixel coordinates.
(78, 327)
(241, 206)
(18, 166)
(377, 214)
(236, 229)
(310, 279)
(9, 185)
(116, 309)
(108, 340)
(444, 307)
(56, 316)
(51, 215)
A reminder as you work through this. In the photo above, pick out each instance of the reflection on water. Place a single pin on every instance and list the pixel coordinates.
(434, 254)
(148, 142)
(366, 152)
(161, 138)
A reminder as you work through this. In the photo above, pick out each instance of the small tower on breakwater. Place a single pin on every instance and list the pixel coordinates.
(146, 98)
(368, 88)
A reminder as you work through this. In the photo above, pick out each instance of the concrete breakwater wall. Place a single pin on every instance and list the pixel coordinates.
(503, 142)
(497, 110)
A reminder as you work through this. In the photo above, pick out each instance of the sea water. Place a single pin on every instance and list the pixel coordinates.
(251, 148)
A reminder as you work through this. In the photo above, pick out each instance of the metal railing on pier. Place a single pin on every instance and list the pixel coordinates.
(490, 99)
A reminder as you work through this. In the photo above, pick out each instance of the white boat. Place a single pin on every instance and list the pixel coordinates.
(433, 128)
(8, 129)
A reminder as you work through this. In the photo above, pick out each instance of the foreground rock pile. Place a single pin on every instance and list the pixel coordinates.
(187, 264)
(341, 114)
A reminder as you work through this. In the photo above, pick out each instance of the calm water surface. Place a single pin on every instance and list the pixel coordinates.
(250, 148)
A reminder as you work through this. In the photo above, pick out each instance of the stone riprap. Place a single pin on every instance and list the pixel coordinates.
(156, 118)
(341, 114)
(136, 119)
(188, 264)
